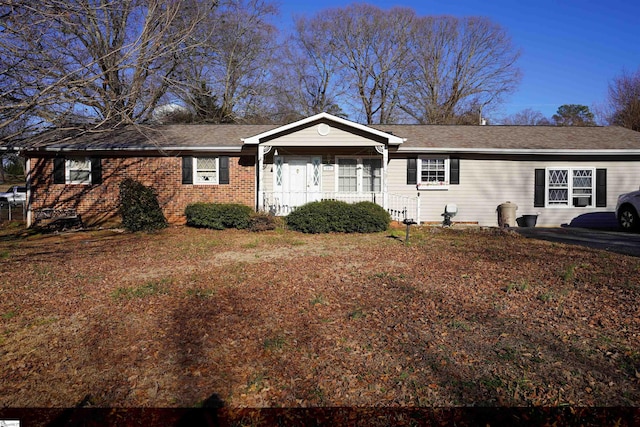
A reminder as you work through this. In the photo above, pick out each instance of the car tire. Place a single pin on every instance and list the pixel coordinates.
(628, 218)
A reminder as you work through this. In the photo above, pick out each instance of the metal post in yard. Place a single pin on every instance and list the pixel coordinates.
(408, 222)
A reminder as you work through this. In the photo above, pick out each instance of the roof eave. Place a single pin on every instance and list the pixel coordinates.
(159, 148)
(531, 151)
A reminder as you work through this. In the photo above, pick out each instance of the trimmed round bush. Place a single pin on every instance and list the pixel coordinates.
(335, 216)
(369, 217)
(218, 216)
(320, 217)
(139, 207)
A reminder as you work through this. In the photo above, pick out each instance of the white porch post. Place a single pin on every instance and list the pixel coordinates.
(385, 159)
(259, 177)
(27, 167)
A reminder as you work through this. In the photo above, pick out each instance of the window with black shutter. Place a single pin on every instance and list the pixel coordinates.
(59, 173)
(412, 171)
(187, 170)
(205, 170)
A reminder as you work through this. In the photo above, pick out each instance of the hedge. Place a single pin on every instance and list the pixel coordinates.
(218, 216)
(334, 216)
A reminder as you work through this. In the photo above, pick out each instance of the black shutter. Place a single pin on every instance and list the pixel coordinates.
(59, 176)
(601, 188)
(96, 170)
(224, 170)
(538, 194)
(187, 170)
(454, 171)
(412, 171)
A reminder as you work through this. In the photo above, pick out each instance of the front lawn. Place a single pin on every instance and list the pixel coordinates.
(180, 317)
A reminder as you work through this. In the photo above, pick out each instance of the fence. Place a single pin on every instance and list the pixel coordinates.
(10, 211)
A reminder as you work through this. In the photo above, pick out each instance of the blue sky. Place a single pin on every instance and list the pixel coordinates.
(571, 50)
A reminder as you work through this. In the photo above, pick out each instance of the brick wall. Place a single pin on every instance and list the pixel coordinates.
(99, 203)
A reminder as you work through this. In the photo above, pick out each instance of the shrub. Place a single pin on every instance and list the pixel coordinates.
(261, 221)
(139, 207)
(334, 216)
(320, 217)
(369, 217)
(218, 215)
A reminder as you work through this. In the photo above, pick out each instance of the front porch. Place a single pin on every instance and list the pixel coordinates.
(326, 158)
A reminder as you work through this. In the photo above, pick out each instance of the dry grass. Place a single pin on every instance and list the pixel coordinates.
(181, 317)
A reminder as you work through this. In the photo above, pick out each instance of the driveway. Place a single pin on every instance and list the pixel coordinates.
(613, 241)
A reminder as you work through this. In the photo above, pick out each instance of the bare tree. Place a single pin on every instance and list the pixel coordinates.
(225, 78)
(624, 100)
(366, 48)
(527, 117)
(398, 65)
(458, 65)
(109, 60)
(308, 81)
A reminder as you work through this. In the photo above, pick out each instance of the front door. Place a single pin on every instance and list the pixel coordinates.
(296, 184)
(297, 180)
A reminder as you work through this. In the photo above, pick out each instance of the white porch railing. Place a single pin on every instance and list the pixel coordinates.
(400, 207)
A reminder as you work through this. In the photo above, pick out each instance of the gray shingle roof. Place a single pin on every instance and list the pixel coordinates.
(417, 137)
(144, 137)
(516, 137)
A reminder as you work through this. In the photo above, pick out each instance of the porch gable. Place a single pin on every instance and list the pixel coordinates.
(324, 130)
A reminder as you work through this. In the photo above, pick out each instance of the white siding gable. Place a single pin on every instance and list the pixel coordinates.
(321, 135)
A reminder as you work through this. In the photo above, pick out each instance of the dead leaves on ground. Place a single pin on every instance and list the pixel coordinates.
(456, 318)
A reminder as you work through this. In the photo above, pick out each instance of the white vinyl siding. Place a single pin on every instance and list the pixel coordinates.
(312, 138)
(487, 183)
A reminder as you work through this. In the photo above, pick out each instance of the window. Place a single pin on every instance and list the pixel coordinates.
(278, 162)
(573, 187)
(317, 175)
(78, 170)
(348, 175)
(206, 170)
(372, 175)
(359, 175)
(433, 172)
